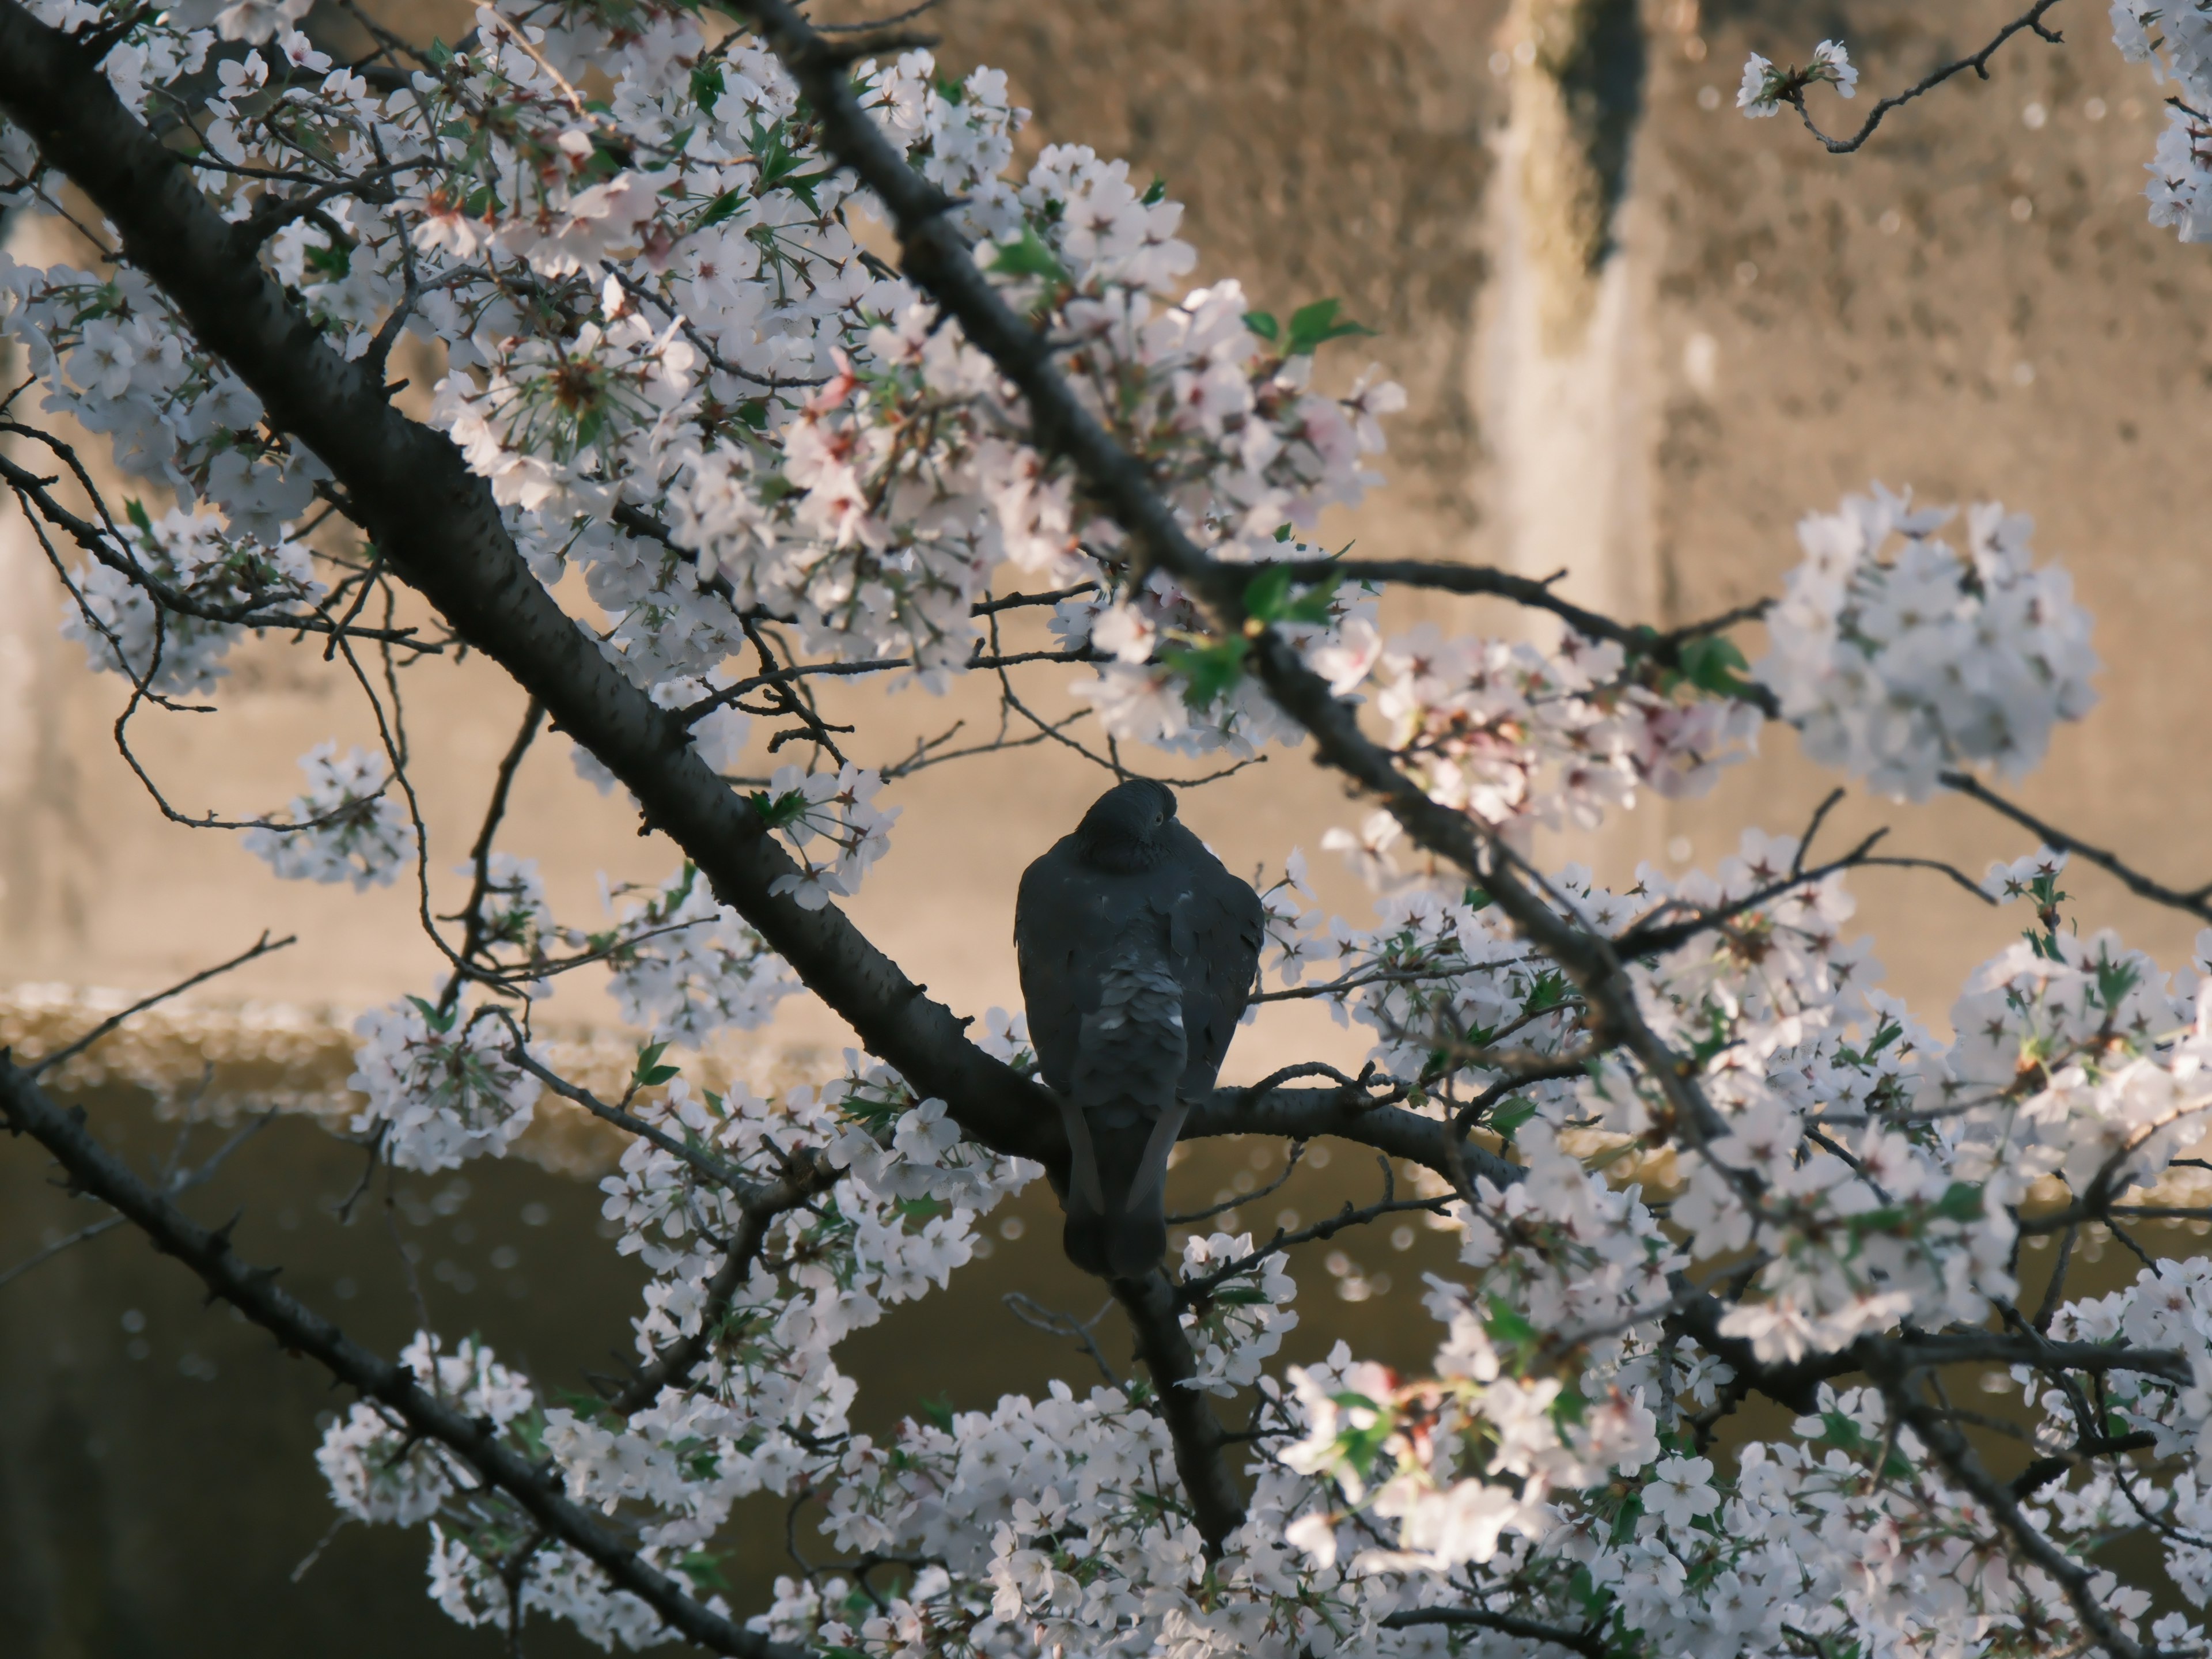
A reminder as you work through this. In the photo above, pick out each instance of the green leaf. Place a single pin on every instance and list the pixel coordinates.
(1624, 1524)
(704, 1571)
(1711, 663)
(437, 1022)
(1507, 1324)
(1835, 1426)
(1511, 1116)
(1240, 1296)
(1209, 672)
(1027, 256)
(718, 210)
(1282, 532)
(135, 510)
(776, 811)
(1265, 594)
(1314, 606)
(1961, 1201)
(707, 86)
(938, 1410)
(333, 263)
(2114, 981)
(1268, 598)
(1315, 325)
(1156, 193)
(1263, 324)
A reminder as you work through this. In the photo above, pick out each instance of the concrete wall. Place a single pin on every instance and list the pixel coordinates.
(1972, 307)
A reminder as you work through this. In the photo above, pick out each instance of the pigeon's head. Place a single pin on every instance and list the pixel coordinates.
(1126, 828)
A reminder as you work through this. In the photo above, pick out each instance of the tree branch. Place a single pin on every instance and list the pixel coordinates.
(261, 947)
(1201, 1443)
(1978, 62)
(442, 533)
(1590, 1642)
(25, 1108)
(1446, 577)
(2197, 902)
(1964, 1465)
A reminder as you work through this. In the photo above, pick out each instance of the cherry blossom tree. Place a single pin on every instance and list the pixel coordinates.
(757, 330)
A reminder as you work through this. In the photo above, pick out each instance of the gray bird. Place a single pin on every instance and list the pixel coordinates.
(1137, 951)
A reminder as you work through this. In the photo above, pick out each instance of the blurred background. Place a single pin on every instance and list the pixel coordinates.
(1641, 337)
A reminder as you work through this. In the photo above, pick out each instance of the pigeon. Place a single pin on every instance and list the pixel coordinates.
(1138, 954)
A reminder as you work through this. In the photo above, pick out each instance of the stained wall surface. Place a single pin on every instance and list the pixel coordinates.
(1974, 305)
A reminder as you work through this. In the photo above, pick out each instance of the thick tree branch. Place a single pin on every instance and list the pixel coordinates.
(1200, 1442)
(1959, 1460)
(936, 258)
(439, 531)
(25, 1109)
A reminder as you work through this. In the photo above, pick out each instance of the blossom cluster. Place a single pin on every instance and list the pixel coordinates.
(682, 966)
(188, 559)
(2176, 41)
(439, 1086)
(837, 809)
(1766, 88)
(1897, 656)
(113, 355)
(381, 1472)
(904, 1192)
(346, 827)
(1506, 733)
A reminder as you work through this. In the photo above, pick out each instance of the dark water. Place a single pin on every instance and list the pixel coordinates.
(157, 1482)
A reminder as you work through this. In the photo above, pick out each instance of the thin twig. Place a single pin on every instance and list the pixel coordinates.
(25, 1108)
(1037, 1316)
(1978, 62)
(261, 947)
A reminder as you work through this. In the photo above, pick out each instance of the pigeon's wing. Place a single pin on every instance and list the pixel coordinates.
(1125, 1115)
(1220, 925)
(1057, 949)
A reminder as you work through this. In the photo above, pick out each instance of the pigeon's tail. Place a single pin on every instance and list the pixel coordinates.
(1124, 1118)
(1118, 1229)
